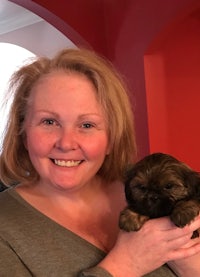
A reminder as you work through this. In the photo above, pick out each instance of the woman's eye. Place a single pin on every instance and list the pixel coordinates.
(87, 125)
(49, 122)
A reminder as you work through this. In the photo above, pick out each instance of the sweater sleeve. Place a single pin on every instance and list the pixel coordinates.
(95, 272)
(10, 263)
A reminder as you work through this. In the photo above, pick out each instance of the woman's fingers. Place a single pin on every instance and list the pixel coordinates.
(184, 252)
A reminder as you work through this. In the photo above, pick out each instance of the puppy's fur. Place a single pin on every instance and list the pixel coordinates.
(160, 185)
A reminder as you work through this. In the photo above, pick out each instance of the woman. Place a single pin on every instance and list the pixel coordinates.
(69, 138)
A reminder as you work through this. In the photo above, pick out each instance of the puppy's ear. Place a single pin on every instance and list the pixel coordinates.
(192, 181)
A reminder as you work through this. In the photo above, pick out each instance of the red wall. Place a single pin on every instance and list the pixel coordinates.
(122, 30)
(173, 91)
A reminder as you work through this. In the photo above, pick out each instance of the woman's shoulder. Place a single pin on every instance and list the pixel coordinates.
(8, 201)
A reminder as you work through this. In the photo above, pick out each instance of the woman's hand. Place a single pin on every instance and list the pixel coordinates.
(188, 266)
(158, 241)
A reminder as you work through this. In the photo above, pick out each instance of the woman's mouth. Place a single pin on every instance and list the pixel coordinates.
(68, 163)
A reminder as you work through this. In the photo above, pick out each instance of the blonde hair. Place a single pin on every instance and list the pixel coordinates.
(15, 164)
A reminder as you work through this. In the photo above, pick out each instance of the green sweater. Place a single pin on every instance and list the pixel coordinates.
(32, 244)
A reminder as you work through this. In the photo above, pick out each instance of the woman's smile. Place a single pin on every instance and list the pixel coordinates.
(69, 163)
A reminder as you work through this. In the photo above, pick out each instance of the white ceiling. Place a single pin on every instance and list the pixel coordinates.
(13, 17)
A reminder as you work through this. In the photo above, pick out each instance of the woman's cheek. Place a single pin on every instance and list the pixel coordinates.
(38, 142)
(98, 146)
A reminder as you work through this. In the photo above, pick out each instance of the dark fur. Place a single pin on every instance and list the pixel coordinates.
(160, 185)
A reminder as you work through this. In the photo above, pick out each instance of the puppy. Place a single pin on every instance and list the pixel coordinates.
(160, 185)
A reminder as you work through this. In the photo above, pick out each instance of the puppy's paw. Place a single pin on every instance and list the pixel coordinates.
(185, 212)
(131, 221)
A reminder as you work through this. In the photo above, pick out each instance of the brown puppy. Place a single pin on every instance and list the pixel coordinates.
(160, 185)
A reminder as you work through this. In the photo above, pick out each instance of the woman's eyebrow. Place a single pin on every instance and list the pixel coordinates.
(47, 112)
(95, 115)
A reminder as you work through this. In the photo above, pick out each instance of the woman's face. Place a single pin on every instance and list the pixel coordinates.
(65, 128)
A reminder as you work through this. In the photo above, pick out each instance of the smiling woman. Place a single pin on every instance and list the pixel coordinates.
(69, 139)
(12, 57)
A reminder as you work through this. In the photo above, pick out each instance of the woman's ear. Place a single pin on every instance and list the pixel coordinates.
(24, 139)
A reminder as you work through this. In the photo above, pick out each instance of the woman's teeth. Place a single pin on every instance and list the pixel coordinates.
(67, 163)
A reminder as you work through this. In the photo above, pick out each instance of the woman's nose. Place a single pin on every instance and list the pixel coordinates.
(67, 140)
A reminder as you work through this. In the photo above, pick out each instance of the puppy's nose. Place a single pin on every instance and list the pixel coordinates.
(153, 197)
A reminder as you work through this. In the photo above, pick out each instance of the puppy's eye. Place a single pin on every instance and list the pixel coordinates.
(141, 187)
(169, 186)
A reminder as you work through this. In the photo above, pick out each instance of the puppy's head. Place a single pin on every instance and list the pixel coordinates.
(157, 182)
